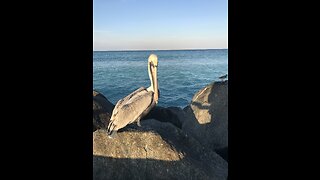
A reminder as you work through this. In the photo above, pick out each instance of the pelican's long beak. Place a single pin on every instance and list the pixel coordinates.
(155, 83)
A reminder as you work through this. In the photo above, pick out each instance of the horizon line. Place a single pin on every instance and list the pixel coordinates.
(163, 49)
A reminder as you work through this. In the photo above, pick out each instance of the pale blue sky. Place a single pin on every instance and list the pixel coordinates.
(160, 24)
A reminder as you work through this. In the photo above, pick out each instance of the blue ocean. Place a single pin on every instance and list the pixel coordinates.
(181, 73)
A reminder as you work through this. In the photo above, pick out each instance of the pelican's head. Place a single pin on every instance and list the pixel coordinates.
(153, 59)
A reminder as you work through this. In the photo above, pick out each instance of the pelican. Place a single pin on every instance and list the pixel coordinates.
(137, 104)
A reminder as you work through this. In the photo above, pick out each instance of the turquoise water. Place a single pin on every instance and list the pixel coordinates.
(181, 73)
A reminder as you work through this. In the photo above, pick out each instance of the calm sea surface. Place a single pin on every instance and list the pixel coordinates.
(181, 73)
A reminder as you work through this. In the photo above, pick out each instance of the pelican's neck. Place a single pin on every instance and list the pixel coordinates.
(151, 88)
(154, 82)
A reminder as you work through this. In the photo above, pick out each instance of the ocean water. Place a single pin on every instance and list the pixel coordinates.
(181, 73)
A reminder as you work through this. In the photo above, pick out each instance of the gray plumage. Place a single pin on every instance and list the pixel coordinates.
(131, 109)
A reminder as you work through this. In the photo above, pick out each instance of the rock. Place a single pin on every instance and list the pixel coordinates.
(156, 150)
(207, 117)
(102, 111)
(173, 115)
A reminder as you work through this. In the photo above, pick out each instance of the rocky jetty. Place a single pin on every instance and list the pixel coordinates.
(172, 143)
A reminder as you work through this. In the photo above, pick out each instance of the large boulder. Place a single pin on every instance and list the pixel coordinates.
(156, 150)
(207, 117)
(102, 111)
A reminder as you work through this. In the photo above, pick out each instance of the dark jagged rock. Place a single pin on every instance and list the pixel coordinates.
(102, 111)
(172, 115)
(157, 150)
(207, 117)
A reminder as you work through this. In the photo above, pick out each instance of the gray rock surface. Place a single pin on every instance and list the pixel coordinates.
(157, 150)
(207, 117)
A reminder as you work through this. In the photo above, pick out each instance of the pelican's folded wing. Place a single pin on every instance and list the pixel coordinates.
(131, 109)
(125, 99)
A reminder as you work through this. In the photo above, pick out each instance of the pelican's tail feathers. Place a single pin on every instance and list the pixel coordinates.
(110, 127)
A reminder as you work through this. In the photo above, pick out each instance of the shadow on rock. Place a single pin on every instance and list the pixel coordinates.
(172, 115)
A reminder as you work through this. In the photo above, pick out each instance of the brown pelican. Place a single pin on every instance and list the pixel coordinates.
(137, 104)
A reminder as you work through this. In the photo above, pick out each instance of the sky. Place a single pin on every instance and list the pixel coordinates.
(159, 24)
